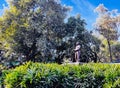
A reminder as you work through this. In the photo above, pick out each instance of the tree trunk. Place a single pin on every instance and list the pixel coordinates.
(110, 51)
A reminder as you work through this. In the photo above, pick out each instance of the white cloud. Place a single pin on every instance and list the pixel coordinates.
(86, 9)
(7, 1)
(84, 5)
(1, 12)
(3, 8)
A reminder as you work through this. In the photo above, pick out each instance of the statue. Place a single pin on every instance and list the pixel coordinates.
(77, 52)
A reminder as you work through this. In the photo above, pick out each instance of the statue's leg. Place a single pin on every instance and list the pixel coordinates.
(75, 56)
(78, 55)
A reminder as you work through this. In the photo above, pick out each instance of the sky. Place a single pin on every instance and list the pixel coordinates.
(83, 7)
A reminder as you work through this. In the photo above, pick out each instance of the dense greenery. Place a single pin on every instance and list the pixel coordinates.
(40, 31)
(36, 30)
(107, 25)
(38, 75)
(1, 76)
(32, 31)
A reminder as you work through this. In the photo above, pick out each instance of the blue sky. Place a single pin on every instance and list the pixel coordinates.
(84, 7)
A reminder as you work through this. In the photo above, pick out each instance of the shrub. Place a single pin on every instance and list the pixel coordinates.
(39, 75)
(1, 75)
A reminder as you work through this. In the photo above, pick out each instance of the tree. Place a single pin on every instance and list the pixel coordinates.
(36, 26)
(36, 30)
(107, 25)
(116, 50)
(75, 31)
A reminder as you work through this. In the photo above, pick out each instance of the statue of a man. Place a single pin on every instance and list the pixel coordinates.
(77, 52)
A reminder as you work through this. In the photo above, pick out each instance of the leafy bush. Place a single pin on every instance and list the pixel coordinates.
(1, 75)
(39, 75)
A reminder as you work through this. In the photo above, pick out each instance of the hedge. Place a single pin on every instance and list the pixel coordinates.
(1, 75)
(39, 75)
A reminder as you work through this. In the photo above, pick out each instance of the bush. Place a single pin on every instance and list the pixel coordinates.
(38, 75)
(1, 75)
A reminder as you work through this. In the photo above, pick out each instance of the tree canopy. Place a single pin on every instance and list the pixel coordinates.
(107, 24)
(39, 30)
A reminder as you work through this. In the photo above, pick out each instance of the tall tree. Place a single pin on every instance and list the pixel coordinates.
(107, 24)
(76, 31)
(36, 29)
(36, 26)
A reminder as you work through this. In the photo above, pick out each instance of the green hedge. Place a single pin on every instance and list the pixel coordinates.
(1, 75)
(37, 75)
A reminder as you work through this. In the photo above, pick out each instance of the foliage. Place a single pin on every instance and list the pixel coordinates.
(38, 32)
(103, 54)
(38, 75)
(1, 75)
(116, 51)
(107, 24)
(32, 28)
(75, 31)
